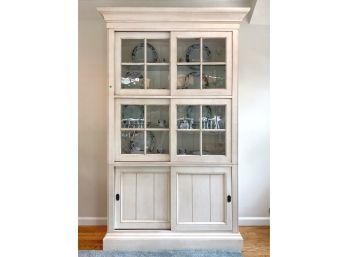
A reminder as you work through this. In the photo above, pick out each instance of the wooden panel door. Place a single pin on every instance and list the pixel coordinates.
(142, 198)
(201, 198)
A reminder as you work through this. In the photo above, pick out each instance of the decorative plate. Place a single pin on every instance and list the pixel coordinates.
(192, 52)
(138, 53)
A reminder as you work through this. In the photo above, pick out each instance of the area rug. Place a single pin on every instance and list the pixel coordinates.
(171, 253)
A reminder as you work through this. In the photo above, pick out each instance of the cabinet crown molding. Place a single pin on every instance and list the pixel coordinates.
(160, 15)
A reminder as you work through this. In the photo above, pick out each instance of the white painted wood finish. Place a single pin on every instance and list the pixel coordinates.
(164, 240)
(172, 201)
(199, 198)
(144, 198)
(173, 16)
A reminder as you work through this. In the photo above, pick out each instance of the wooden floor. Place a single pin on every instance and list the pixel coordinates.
(256, 239)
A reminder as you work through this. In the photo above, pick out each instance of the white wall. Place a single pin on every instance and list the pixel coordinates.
(253, 119)
(92, 118)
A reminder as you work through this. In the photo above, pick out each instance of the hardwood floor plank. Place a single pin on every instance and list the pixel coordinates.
(256, 239)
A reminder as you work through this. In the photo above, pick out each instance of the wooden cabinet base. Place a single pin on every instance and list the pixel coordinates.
(164, 240)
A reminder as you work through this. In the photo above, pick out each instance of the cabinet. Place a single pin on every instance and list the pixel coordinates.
(172, 128)
(144, 198)
(201, 198)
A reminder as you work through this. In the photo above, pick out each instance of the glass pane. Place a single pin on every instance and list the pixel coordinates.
(157, 116)
(213, 76)
(216, 47)
(157, 142)
(188, 50)
(188, 143)
(132, 142)
(157, 50)
(132, 50)
(213, 117)
(188, 77)
(188, 116)
(213, 143)
(157, 77)
(132, 77)
(132, 116)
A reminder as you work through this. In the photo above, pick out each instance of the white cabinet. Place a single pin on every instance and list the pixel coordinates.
(172, 128)
(142, 198)
(201, 198)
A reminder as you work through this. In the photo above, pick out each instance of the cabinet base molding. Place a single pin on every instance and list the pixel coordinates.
(169, 240)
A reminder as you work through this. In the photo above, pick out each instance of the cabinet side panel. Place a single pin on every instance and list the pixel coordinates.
(161, 196)
(201, 198)
(145, 196)
(217, 196)
(128, 200)
(184, 198)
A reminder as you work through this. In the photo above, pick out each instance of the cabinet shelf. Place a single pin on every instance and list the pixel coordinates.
(213, 130)
(157, 63)
(148, 63)
(157, 129)
(132, 129)
(188, 63)
(193, 130)
(133, 63)
(199, 63)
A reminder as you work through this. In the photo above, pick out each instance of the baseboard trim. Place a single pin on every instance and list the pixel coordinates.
(92, 221)
(243, 221)
(254, 221)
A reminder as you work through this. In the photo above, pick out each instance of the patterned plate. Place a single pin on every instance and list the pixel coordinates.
(192, 52)
(138, 53)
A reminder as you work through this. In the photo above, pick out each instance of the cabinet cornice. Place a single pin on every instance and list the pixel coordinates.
(166, 17)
